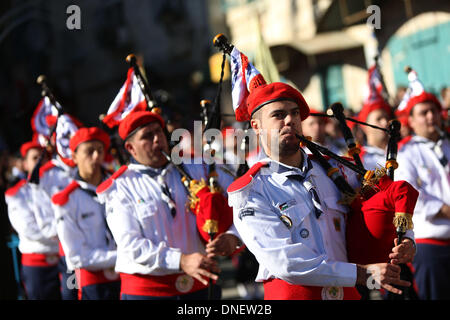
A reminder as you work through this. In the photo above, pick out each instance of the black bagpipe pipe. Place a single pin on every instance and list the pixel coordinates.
(143, 84)
(333, 173)
(116, 149)
(196, 190)
(153, 107)
(384, 92)
(211, 120)
(46, 92)
(393, 130)
(377, 223)
(392, 148)
(353, 150)
(221, 42)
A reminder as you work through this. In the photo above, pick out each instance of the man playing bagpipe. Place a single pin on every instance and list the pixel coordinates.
(288, 211)
(160, 251)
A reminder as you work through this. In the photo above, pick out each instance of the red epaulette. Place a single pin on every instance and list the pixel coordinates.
(107, 183)
(45, 168)
(62, 197)
(11, 192)
(404, 141)
(241, 182)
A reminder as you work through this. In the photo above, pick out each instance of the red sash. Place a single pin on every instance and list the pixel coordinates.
(276, 289)
(436, 242)
(159, 286)
(85, 277)
(39, 259)
(61, 251)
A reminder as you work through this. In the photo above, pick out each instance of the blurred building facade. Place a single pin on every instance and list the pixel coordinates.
(87, 67)
(326, 46)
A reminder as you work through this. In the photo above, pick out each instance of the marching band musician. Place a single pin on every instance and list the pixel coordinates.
(54, 176)
(373, 153)
(36, 230)
(82, 229)
(424, 162)
(286, 208)
(160, 254)
(290, 218)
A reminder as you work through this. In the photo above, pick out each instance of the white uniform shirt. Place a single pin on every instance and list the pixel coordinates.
(57, 177)
(35, 227)
(313, 250)
(82, 230)
(419, 164)
(149, 240)
(373, 157)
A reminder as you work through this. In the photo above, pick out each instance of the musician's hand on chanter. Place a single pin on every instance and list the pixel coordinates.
(403, 252)
(199, 267)
(223, 245)
(381, 275)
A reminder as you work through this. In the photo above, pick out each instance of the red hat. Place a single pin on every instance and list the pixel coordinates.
(89, 134)
(423, 97)
(29, 145)
(415, 94)
(136, 120)
(275, 91)
(367, 108)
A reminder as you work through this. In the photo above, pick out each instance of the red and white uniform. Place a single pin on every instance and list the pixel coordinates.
(372, 157)
(275, 215)
(35, 227)
(418, 163)
(82, 228)
(55, 175)
(149, 239)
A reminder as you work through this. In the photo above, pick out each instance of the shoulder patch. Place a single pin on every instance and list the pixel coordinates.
(246, 212)
(62, 197)
(108, 182)
(49, 165)
(11, 192)
(404, 141)
(241, 182)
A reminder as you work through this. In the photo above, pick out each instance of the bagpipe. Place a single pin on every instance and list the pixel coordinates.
(48, 149)
(381, 209)
(206, 201)
(221, 42)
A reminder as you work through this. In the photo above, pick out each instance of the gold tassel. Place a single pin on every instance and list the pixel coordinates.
(371, 178)
(211, 226)
(403, 221)
(194, 187)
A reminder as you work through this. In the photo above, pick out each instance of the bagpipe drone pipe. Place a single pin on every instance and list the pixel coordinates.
(380, 210)
(206, 201)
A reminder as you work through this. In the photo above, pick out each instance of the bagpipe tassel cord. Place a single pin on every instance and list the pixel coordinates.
(403, 221)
